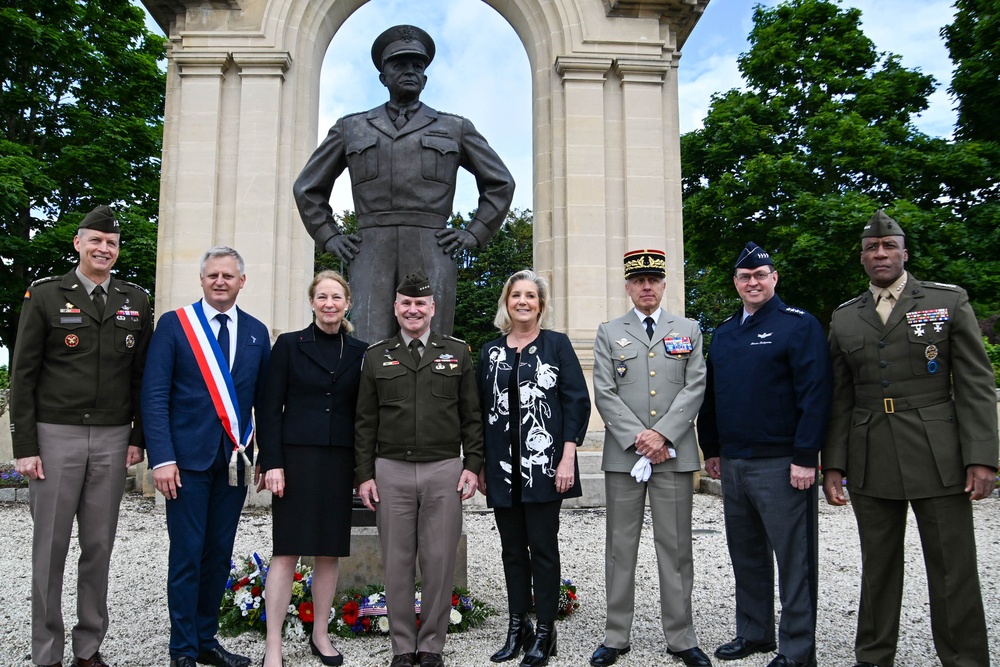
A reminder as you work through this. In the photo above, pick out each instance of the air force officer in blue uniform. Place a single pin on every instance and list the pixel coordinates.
(761, 429)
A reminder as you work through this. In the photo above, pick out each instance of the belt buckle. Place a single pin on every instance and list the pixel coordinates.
(889, 406)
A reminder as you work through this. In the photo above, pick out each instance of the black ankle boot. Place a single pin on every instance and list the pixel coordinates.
(543, 647)
(520, 635)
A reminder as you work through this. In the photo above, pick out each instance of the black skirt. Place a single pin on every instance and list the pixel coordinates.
(314, 516)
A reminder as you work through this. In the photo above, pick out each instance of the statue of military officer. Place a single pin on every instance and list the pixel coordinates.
(403, 158)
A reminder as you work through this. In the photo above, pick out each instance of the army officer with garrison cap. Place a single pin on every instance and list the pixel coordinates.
(418, 452)
(77, 372)
(913, 424)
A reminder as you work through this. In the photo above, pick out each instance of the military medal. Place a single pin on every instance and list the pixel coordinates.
(70, 308)
(439, 367)
(130, 341)
(931, 353)
(621, 369)
(919, 319)
(72, 340)
(676, 344)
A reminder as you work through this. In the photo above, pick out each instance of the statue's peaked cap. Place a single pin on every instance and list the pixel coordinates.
(402, 40)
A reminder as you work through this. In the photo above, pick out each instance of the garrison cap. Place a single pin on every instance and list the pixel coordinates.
(101, 219)
(402, 40)
(880, 225)
(415, 284)
(753, 256)
(645, 262)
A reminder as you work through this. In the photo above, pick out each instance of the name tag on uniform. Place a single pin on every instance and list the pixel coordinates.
(71, 320)
(677, 345)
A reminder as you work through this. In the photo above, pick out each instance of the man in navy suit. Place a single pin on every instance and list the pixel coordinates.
(205, 372)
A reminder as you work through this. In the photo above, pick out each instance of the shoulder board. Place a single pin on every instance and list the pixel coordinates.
(728, 318)
(358, 113)
(457, 340)
(134, 286)
(944, 286)
(45, 280)
(381, 342)
(794, 311)
(849, 302)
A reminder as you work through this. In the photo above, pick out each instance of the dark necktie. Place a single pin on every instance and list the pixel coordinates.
(97, 296)
(415, 351)
(224, 336)
(650, 325)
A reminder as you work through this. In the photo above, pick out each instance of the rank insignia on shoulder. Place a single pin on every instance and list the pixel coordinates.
(381, 342)
(795, 311)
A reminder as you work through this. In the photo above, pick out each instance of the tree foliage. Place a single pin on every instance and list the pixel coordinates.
(81, 107)
(820, 138)
(973, 40)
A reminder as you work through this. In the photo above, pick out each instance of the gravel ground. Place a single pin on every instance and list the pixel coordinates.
(139, 623)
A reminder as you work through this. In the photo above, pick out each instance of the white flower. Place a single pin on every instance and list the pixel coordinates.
(374, 598)
(546, 375)
(455, 617)
(292, 609)
(294, 629)
(383, 624)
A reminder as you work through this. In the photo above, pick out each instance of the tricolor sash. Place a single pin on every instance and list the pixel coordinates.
(218, 381)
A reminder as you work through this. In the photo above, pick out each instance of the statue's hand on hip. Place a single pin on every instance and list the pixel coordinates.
(343, 246)
(453, 241)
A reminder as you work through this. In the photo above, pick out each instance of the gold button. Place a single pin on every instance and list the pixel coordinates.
(652, 373)
(652, 412)
(652, 354)
(622, 357)
(652, 393)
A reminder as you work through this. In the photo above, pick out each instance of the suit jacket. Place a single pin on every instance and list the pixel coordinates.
(405, 176)
(183, 425)
(305, 403)
(419, 413)
(638, 384)
(71, 366)
(940, 421)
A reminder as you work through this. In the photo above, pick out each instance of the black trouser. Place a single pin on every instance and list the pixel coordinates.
(529, 536)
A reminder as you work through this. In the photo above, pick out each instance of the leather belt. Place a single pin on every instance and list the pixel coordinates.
(891, 405)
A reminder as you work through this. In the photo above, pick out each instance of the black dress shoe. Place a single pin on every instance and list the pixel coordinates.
(741, 647)
(785, 661)
(183, 661)
(429, 659)
(220, 657)
(605, 655)
(404, 660)
(693, 657)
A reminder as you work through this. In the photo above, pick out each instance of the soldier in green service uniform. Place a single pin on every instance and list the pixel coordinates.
(77, 372)
(418, 452)
(913, 423)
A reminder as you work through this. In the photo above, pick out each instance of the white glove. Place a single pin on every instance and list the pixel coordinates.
(642, 470)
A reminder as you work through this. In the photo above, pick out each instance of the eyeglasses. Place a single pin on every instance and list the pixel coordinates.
(760, 276)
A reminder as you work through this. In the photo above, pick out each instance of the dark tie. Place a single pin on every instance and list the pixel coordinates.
(415, 351)
(97, 296)
(650, 325)
(224, 336)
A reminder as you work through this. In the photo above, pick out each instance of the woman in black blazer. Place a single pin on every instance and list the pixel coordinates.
(305, 437)
(536, 408)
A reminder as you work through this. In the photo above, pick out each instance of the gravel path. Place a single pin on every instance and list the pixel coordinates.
(139, 625)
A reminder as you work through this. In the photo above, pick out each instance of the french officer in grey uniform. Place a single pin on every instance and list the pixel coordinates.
(418, 452)
(77, 374)
(761, 429)
(913, 425)
(649, 382)
(403, 158)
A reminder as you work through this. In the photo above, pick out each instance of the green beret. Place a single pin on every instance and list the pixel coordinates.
(402, 40)
(881, 225)
(415, 284)
(101, 219)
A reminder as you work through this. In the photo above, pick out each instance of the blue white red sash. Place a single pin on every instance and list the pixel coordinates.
(215, 372)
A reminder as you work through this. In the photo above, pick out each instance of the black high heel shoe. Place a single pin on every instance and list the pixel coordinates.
(543, 647)
(520, 635)
(332, 660)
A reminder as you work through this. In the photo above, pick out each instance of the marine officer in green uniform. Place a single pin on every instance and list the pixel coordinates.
(418, 451)
(77, 372)
(913, 423)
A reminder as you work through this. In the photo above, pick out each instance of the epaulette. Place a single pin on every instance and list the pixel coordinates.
(849, 302)
(45, 280)
(381, 342)
(135, 286)
(457, 340)
(357, 113)
(946, 286)
(448, 113)
(728, 318)
(794, 311)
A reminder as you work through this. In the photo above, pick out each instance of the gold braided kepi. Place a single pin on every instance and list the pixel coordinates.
(645, 262)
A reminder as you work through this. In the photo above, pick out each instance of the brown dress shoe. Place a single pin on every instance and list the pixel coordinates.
(93, 661)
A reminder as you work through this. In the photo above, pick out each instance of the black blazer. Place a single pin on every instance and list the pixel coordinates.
(304, 402)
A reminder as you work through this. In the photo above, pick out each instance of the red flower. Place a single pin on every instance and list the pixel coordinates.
(349, 613)
(571, 595)
(297, 576)
(366, 623)
(255, 591)
(306, 612)
(454, 600)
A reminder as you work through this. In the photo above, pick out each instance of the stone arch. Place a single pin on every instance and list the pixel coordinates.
(242, 113)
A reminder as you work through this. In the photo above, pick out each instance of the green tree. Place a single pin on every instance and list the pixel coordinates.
(820, 138)
(81, 107)
(973, 39)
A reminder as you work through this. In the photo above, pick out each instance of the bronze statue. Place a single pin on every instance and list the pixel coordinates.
(403, 158)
